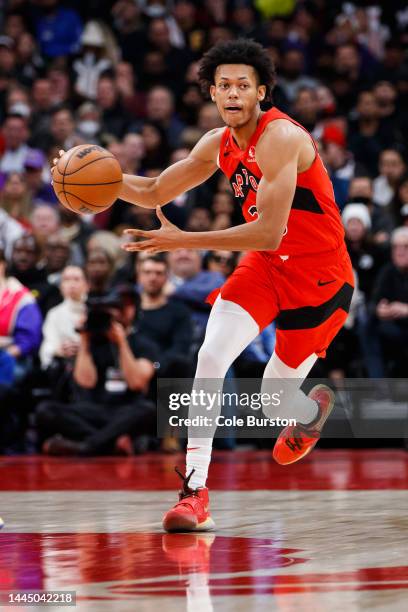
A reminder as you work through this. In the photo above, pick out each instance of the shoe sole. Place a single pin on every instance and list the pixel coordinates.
(174, 524)
(309, 450)
(332, 398)
(1, 523)
(328, 412)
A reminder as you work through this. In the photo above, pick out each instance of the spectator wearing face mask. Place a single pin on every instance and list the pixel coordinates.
(94, 59)
(361, 191)
(366, 256)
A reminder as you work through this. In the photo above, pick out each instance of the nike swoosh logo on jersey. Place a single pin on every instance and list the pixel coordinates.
(322, 283)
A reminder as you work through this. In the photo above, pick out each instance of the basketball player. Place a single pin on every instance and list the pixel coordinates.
(296, 272)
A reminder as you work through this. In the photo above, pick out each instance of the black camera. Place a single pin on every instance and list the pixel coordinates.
(100, 317)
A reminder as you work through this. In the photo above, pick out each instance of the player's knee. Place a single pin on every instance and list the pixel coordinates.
(211, 363)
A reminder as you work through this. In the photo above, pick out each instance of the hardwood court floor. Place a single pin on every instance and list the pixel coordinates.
(328, 534)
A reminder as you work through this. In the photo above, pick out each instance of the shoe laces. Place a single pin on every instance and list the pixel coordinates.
(295, 442)
(186, 491)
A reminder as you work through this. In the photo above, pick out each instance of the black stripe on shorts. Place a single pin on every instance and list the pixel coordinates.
(308, 317)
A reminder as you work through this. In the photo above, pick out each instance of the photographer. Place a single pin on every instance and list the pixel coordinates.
(112, 371)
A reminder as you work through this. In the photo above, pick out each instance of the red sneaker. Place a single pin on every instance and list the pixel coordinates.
(297, 441)
(191, 513)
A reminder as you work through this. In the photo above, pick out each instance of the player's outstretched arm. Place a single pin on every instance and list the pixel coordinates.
(176, 179)
(277, 154)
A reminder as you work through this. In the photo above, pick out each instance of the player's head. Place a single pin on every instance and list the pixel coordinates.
(239, 75)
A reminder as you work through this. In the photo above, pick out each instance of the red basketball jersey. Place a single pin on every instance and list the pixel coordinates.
(314, 224)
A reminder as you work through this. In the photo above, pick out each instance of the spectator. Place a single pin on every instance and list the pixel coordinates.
(15, 199)
(115, 119)
(39, 188)
(10, 231)
(56, 257)
(42, 105)
(58, 29)
(99, 268)
(167, 322)
(391, 168)
(367, 135)
(223, 262)
(112, 370)
(399, 204)
(45, 222)
(305, 109)
(16, 134)
(93, 60)
(61, 133)
(339, 162)
(89, 122)
(390, 298)
(291, 75)
(30, 64)
(366, 256)
(25, 268)
(60, 335)
(20, 321)
(155, 145)
(133, 101)
(361, 191)
(76, 232)
(192, 286)
(160, 109)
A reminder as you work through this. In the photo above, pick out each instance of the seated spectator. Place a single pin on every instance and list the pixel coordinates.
(161, 110)
(361, 191)
(93, 59)
(192, 286)
(15, 199)
(56, 256)
(390, 299)
(115, 120)
(292, 75)
(76, 232)
(20, 323)
(366, 256)
(58, 29)
(45, 222)
(399, 204)
(223, 262)
(60, 335)
(24, 267)
(10, 231)
(367, 134)
(112, 371)
(339, 162)
(165, 321)
(16, 134)
(391, 167)
(99, 268)
(38, 188)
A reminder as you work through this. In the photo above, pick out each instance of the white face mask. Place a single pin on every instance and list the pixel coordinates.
(88, 127)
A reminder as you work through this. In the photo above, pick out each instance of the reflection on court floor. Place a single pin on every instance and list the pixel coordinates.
(282, 543)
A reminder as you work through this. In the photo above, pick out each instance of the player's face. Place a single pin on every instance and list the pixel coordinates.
(236, 93)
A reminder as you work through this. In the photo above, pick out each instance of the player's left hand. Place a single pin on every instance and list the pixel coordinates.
(168, 238)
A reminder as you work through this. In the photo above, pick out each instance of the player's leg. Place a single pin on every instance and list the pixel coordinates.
(309, 411)
(229, 330)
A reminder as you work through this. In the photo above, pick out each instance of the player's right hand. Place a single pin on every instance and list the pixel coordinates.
(55, 161)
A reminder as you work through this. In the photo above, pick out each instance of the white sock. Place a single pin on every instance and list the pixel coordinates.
(294, 403)
(222, 345)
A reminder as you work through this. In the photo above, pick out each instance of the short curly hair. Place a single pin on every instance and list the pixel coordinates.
(240, 51)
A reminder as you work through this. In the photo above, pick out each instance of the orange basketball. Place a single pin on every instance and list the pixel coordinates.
(87, 179)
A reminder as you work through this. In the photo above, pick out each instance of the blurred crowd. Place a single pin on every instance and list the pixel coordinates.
(124, 75)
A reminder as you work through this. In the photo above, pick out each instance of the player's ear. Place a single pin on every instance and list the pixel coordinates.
(261, 93)
(212, 92)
